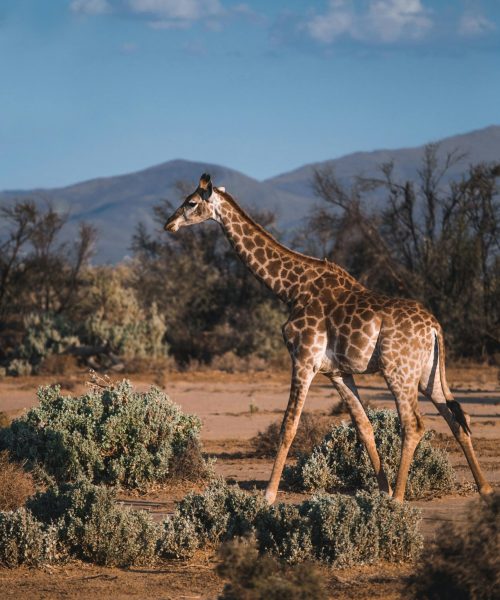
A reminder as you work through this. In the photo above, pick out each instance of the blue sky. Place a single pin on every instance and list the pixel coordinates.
(101, 87)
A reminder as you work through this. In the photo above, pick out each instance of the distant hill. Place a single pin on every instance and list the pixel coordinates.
(482, 145)
(117, 204)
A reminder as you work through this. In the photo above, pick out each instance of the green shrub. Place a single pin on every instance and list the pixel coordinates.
(341, 461)
(464, 561)
(112, 435)
(26, 541)
(338, 529)
(116, 317)
(347, 530)
(221, 512)
(45, 335)
(92, 527)
(19, 368)
(178, 538)
(255, 577)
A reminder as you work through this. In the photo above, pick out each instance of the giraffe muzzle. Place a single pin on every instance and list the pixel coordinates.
(172, 224)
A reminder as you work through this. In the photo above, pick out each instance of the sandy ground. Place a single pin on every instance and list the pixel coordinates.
(233, 409)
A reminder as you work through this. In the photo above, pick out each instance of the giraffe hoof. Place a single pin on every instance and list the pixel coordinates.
(486, 490)
(270, 496)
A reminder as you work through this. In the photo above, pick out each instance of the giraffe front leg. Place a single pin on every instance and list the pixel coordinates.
(302, 376)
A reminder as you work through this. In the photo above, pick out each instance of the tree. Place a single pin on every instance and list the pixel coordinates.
(211, 303)
(434, 240)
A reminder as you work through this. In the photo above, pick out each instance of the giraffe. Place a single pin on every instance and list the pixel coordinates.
(339, 328)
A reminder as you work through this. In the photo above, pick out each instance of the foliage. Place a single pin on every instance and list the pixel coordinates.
(255, 577)
(40, 275)
(15, 485)
(19, 368)
(85, 521)
(221, 512)
(92, 527)
(341, 530)
(116, 318)
(45, 335)
(26, 541)
(426, 239)
(213, 305)
(464, 561)
(52, 301)
(178, 538)
(113, 435)
(341, 461)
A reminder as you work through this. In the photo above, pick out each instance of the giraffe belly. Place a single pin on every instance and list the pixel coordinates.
(354, 353)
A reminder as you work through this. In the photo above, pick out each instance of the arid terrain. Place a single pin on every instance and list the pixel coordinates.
(233, 409)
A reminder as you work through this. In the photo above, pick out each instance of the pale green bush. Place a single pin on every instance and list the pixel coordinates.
(178, 538)
(221, 511)
(112, 435)
(341, 461)
(339, 529)
(19, 367)
(117, 319)
(45, 335)
(26, 541)
(92, 527)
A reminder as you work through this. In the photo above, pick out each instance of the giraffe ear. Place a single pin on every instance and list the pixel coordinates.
(220, 188)
(205, 187)
(204, 180)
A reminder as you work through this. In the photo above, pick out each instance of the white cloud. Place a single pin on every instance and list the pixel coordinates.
(474, 25)
(172, 11)
(338, 20)
(392, 19)
(172, 14)
(90, 7)
(377, 21)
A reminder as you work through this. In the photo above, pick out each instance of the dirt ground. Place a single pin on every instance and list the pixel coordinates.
(233, 409)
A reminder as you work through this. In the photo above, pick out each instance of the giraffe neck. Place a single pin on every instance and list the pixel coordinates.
(282, 270)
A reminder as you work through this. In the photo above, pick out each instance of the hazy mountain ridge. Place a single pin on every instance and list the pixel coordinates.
(115, 205)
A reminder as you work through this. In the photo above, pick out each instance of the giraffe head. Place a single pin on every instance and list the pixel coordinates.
(196, 208)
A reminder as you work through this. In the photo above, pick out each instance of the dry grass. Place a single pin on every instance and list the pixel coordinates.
(148, 365)
(15, 485)
(4, 420)
(311, 431)
(189, 465)
(58, 364)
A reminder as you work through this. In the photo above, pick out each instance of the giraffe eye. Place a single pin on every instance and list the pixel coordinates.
(192, 202)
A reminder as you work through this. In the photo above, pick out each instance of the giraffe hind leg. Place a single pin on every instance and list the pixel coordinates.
(412, 427)
(348, 392)
(458, 422)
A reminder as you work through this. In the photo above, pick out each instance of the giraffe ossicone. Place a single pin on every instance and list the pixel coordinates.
(339, 328)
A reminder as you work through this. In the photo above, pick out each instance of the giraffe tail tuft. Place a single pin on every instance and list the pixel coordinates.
(459, 415)
(451, 403)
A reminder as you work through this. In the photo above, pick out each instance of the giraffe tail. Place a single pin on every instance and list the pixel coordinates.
(451, 403)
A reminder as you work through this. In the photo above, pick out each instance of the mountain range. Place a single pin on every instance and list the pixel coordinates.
(115, 205)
